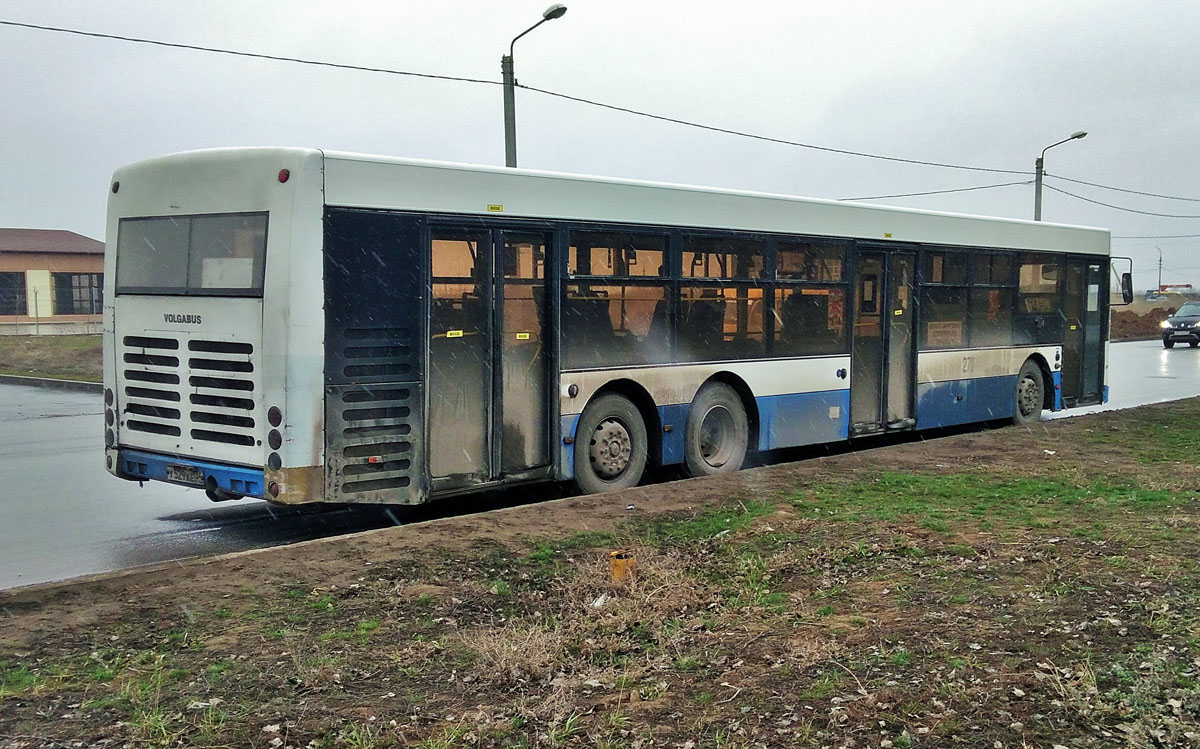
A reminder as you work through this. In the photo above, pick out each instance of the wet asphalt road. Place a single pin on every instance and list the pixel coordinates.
(62, 515)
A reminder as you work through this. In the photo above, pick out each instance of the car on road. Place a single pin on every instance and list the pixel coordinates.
(1183, 326)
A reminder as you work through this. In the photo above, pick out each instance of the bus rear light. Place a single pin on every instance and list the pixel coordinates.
(274, 462)
(273, 488)
(275, 416)
(108, 397)
(274, 439)
(283, 175)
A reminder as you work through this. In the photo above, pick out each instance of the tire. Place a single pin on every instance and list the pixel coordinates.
(1030, 394)
(1168, 343)
(717, 433)
(1194, 344)
(610, 445)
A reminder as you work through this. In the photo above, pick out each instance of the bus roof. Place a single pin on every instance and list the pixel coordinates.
(396, 183)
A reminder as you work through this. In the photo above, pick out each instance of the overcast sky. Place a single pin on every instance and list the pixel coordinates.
(984, 84)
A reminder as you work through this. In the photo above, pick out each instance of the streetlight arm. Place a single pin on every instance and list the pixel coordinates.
(1074, 136)
(523, 33)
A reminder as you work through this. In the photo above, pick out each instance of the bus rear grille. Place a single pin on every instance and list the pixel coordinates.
(207, 385)
(374, 437)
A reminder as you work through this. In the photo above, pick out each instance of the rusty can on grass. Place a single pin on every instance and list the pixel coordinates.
(623, 564)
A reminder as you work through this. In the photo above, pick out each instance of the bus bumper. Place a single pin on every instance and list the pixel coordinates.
(138, 465)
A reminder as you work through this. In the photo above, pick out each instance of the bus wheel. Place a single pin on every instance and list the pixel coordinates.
(1030, 394)
(717, 431)
(610, 445)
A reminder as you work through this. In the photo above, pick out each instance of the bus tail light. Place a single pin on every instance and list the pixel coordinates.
(283, 175)
(273, 488)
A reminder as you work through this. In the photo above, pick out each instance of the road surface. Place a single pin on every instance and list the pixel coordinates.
(62, 515)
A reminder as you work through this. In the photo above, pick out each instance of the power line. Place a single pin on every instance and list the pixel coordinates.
(546, 92)
(768, 139)
(239, 53)
(939, 192)
(1121, 189)
(1117, 207)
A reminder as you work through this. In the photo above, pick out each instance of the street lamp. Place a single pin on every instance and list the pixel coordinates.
(506, 67)
(1041, 160)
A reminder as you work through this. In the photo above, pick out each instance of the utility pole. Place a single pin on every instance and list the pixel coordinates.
(510, 84)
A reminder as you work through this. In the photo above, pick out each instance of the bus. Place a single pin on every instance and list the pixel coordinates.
(314, 326)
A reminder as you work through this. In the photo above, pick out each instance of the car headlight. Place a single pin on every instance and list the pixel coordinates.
(1196, 324)
(1165, 324)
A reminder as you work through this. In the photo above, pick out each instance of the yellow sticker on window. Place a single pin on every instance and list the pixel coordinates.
(494, 208)
(454, 334)
(522, 336)
(898, 312)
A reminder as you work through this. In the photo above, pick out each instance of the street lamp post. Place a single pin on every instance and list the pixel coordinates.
(1039, 168)
(510, 83)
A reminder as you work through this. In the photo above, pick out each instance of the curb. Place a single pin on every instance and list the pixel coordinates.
(50, 382)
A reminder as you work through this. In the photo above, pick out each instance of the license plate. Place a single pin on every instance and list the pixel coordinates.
(185, 475)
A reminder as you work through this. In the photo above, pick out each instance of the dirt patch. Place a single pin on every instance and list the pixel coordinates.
(1130, 325)
(1019, 586)
(65, 357)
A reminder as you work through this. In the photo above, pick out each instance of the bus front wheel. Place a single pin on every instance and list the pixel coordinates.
(717, 431)
(1031, 394)
(610, 445)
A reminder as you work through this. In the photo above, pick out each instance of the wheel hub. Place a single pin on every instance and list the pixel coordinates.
(1027, 396)
(610, 449)
(716, 436)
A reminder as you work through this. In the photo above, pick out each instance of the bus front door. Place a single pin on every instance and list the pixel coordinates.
(882, 358)
(487, 372)
(1083, 336)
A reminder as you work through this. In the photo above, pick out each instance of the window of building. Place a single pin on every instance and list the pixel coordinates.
(78, 293)
(12, 294)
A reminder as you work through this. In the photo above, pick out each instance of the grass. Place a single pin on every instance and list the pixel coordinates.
(844, 600)
(64, 357)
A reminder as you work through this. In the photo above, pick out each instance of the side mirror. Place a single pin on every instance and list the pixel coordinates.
(1127, 287)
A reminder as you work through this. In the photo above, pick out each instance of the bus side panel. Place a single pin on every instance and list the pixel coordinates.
(374, 328)
(803, 419)
(943, 404)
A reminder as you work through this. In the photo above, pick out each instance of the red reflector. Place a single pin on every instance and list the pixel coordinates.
(273, 488)
(284, 174)
(375, 459)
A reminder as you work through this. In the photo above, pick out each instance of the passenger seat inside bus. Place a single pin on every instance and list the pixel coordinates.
(704, 330)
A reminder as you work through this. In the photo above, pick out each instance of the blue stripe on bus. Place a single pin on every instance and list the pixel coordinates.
(1104, 398)
(1058, 401)
(566, 461)
(942, 404)
(144, 466)
(803, 419)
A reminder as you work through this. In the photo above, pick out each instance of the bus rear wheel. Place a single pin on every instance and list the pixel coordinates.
(717, 433)
(610, 445)
(1031, 394)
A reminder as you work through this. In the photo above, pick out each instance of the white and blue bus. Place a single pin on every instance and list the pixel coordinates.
(312, 326)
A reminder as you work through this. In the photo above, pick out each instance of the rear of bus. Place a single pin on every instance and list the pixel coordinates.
(212, 323)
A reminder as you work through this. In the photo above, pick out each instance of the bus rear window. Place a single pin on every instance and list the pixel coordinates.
(215, 254)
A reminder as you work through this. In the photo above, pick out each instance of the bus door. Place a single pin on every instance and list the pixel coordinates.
(487, 414)
(1084, 293)
(882, 358)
